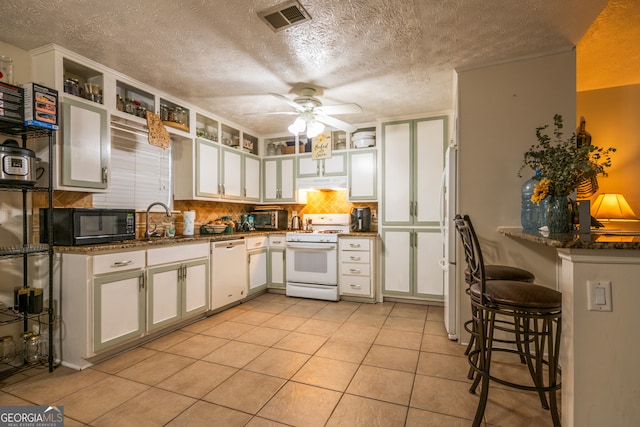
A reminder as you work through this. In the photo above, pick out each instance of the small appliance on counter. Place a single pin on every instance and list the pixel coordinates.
(88, 226)
(18, 164)
(270, 219)
(360, 219)
(295, 221)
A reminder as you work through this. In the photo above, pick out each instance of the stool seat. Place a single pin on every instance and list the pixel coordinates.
(503, 272)
(518, 294)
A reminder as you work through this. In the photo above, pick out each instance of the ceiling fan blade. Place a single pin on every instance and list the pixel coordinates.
(293, 113)
(340, 109)
(333, 122)
(288, 101)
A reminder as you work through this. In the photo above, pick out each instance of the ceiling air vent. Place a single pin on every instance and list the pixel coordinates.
(284, 16)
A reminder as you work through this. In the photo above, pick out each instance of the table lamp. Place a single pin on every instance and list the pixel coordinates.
(612, 207)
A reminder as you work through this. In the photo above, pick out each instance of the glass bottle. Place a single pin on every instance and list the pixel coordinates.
(528, 211)
(32, 349)
(7, 349)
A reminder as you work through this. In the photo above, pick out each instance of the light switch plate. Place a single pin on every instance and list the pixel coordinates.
(599, 295)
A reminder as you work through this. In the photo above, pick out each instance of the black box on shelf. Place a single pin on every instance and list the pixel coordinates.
(40, 106)
(11, 104)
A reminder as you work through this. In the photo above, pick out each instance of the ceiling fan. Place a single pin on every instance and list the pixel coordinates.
(312, 115)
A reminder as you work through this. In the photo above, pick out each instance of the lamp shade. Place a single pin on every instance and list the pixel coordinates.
(612, 207)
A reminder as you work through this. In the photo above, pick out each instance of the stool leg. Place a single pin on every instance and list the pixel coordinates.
(484, 340)
(554, 346)
(538, 338)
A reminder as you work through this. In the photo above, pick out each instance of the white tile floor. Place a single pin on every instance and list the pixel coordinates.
(285, 361)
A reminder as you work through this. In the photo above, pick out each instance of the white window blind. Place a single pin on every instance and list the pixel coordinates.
(140, 173)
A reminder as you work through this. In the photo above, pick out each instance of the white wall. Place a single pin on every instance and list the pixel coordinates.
(499, 108)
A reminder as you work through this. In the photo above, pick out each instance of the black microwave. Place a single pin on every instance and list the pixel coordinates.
(275, 219)
(87, 226)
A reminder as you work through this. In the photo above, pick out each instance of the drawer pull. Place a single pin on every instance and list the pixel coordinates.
(354, 245)
(277, 242)
(121, 263)
(355, 270)
(355, 258)
(355, 286)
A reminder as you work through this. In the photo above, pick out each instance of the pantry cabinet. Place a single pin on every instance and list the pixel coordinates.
(85, 145)
(412, 164)
(279, 179)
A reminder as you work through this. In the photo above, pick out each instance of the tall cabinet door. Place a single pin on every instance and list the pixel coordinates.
(428, 164)
(397, 200)
(428, 251)
(85, 145)
(397, 255)
(118, 308)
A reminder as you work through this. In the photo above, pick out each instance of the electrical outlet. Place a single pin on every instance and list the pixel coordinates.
(599, 295)
(374, 214)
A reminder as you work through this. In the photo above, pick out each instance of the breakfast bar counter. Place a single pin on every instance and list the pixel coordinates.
(599, 348)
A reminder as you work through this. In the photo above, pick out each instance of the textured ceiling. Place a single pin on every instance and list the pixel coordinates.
(393, 57)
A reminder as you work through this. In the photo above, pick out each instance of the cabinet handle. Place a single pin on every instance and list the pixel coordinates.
(277, 242)
(415, 208)
(354, 258)
(104, 175)
(141, 281)
(355, 286)
(354, 245)
(355, 270)
(245, 192)
(121, 263)
(317, 168)
(223, 189)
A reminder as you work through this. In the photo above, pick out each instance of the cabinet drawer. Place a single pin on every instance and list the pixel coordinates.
(256, 242)
(121, 261)
(177, 253)
(352, 269)
(355, 285)
(277, 241)
(354, 244)
(355, 256)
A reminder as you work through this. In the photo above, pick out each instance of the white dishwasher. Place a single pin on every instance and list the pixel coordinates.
(228, 272)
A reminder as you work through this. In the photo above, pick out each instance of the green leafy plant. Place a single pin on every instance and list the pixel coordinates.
(562, 163)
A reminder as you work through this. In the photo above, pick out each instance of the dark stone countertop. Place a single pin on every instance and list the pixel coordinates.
(179, 240)
(593, 240)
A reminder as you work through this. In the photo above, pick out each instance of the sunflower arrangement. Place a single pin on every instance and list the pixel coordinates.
(563, 164)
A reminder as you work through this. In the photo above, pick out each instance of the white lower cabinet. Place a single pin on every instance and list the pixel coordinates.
(118, 308)
(277, 260)
(178, 283)
(357, 266)
(411, 263)
(257, 255)
(113, 299)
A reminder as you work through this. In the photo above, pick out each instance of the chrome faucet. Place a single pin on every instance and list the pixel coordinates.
(147, 234)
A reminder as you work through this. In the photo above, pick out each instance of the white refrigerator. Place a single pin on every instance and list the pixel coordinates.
(449, 240)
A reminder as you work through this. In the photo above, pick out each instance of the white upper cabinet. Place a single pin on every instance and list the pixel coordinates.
(363, 175)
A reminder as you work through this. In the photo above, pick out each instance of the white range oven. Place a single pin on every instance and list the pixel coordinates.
(312, 257)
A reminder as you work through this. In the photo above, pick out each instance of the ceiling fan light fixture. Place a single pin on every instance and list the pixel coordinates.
(297, 126)
(314, 128)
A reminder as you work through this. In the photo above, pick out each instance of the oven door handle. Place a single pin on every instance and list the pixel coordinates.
(312, 246)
